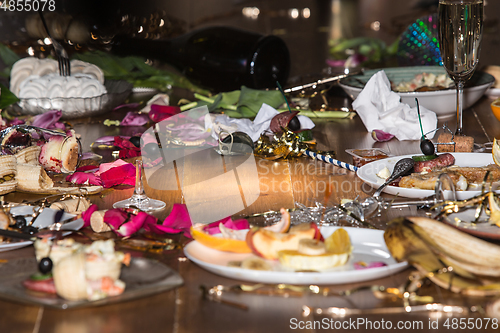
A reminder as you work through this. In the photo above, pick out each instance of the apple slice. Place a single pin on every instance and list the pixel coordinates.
(283, 224)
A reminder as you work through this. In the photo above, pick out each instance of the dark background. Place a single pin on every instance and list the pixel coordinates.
(306, 37)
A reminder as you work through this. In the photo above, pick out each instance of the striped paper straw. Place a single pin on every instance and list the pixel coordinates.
(331, 160)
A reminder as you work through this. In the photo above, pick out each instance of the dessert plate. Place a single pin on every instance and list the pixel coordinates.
(368, 246)
(368, 174)
(143, 277)
(45, 219)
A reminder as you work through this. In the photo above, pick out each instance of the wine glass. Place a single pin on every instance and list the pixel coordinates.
(139, 199)
(460, 34)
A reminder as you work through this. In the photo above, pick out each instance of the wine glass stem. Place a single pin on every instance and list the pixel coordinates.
(139, 187)
(460, 106)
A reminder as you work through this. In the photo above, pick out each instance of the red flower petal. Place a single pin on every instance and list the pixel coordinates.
(162, 112)
(119, 175)
(87, 214)
(135, 223)
(115, 218)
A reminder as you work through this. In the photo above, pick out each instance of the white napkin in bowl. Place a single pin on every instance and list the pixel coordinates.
(380, 108)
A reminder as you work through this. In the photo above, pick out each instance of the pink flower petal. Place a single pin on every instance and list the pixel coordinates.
(129, 105)
(107, 140)
(363, 265)
(335, 63)
(135, 223)
(134, 119)
(84, 178)
(48, 120)
(178, 221)
(381, 136)
(106, 166)
(87, 214)
(16, 121)
(213, 228)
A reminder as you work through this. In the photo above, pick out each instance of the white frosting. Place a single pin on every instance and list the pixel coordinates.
(56, 86)
(29, 66)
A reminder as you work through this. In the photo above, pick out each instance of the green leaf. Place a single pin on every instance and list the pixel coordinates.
(247, 112)
(231, 97)
(233, 114)
(251, 100)
(8, 56)
(6, 97)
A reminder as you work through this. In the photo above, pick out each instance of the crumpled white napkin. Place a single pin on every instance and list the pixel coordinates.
(380, 108)
(253, 128)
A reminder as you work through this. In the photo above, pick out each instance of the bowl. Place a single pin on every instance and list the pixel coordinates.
(442, 102)
(117, 92)
(362, 156)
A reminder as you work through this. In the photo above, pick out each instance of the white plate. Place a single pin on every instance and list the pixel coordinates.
(483, 229)
(368, 174)
(442, 102)
(368, 244)
(45, 219)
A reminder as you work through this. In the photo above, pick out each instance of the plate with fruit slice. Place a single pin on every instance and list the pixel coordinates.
(305, 254)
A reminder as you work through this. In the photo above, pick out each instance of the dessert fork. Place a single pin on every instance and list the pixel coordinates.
(62, 55)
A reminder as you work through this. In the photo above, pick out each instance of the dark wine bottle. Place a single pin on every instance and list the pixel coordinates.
(218, 58)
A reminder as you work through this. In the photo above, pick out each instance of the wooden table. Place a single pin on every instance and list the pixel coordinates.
(183, 309)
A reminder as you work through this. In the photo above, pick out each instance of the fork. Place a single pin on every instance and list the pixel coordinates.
(62, 55)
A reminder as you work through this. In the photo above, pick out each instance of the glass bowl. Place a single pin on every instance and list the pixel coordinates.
(117, 92)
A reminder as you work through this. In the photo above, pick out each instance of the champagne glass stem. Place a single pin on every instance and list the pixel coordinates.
(460, 106)
(139, 199)
(139, 186)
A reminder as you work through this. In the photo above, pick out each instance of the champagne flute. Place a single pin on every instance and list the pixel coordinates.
(139, 199)
(460, 34)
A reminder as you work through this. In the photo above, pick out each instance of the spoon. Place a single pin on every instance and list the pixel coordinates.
(401, 168)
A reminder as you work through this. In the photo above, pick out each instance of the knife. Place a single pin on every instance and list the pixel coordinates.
(17, 235)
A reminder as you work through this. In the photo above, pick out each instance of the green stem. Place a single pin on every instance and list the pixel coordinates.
(419, 119)
(204, 98)
(284, 96)
(188, 106)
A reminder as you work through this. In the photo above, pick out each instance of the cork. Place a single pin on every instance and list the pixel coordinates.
(462, 143)
(97, 222)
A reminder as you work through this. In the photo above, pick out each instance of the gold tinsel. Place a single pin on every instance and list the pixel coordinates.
(286, 144)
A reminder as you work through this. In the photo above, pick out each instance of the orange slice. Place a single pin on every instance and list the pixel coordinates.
(495, 107)
(218, 243)
(338, 242)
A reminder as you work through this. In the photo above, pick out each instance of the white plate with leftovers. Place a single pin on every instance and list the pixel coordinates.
(368, 247)
(442, 101)
(368, 174)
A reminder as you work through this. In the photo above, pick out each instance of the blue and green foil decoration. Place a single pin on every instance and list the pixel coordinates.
(419, 44)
